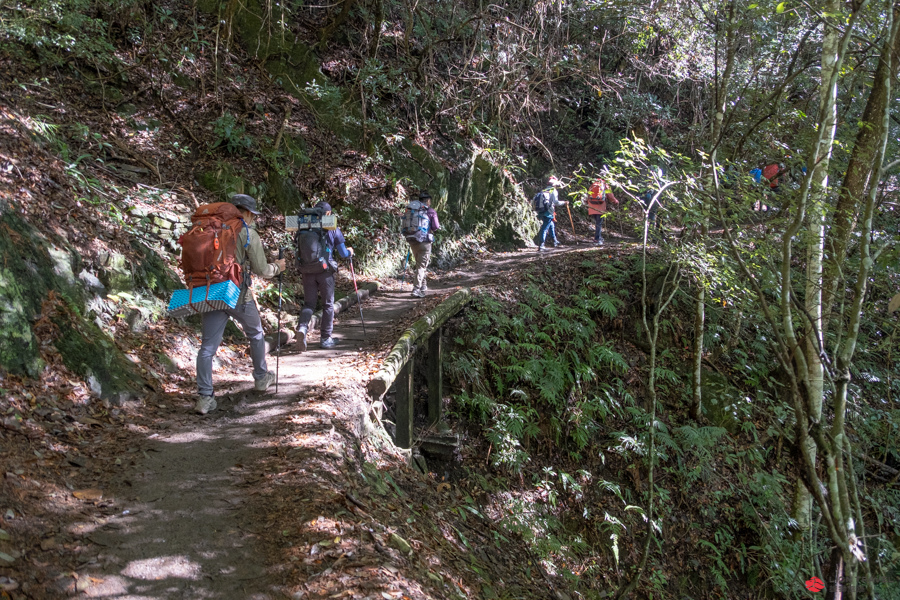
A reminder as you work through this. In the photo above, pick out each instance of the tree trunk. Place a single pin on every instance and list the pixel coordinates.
(860, 169)
(812, 202)
(834, 573)
(376, 28)
(699, 320)
(721, 98)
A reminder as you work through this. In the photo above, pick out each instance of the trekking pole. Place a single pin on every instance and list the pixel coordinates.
(278, 333)
(405, 265)
(571, 222)
(358, 299)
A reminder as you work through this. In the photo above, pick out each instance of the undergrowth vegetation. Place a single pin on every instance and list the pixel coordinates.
(551, 390)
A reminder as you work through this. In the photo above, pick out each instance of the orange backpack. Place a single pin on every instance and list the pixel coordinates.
(208, 248)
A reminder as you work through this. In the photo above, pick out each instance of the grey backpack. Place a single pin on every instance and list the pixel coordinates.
(314, 255)
(540, 203)
(414, 223)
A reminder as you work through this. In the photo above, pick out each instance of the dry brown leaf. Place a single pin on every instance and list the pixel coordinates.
(90, 494)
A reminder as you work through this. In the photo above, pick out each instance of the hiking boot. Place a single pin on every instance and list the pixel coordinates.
(263, 383)
(541, 248)
(556, 244)
(598, 242)
(205, 404)
(328, 342)
(301, 338)
(424, 287)
(418, 293)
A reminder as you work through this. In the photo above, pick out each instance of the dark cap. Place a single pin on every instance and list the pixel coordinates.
(424, 196)
(324, 205)
(246, 202)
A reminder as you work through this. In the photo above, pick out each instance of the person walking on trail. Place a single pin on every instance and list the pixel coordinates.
(597, 202)
(771, 174)
(545, 203)
(252, 259)
(418, 224)
(321, 283)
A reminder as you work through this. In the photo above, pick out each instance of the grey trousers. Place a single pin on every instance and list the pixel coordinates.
(421, 251)
(315, 284)
(213, 329)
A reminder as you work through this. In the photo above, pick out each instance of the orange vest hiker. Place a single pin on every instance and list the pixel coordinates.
(600, 194)
(770, 174)
(597, 200)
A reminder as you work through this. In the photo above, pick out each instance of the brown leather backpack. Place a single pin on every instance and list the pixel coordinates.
(208, 248)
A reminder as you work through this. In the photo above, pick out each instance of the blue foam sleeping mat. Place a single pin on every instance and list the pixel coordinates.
(221, 296)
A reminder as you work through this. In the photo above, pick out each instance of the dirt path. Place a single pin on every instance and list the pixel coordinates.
(248, 501)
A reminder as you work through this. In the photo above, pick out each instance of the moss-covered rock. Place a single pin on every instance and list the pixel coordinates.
(152, 273)
(478, 198)
(89, 353)
(31, 267)
(719, 400)
(18, 346)
(115, 272)
(489, 205)
(37, 275)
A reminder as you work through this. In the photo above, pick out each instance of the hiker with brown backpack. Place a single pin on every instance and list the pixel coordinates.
(219, 253)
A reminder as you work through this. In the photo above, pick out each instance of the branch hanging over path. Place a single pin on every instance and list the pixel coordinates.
(405, 346)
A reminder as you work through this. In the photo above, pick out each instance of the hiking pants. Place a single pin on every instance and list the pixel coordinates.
(598, 222)
(213, 329)
(547, 226)
(421, 251)
(315, 284)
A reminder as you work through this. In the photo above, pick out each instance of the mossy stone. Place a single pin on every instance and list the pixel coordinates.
(34, 270)
(31, 267)
(152, 273)
(283, 194)
(18, 346)
(183, 81)
(127, 110)
(89, 353)
(115, 272)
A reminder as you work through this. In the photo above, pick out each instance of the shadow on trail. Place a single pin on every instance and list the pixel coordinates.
(183, 528)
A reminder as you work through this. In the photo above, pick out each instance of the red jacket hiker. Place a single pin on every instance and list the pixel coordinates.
(770, 173)
(599, 195)
(597, 200)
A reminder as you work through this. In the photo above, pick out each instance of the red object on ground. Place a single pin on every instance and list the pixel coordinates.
(815, 585)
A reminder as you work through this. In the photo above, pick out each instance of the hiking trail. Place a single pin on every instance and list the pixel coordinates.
(209, 506)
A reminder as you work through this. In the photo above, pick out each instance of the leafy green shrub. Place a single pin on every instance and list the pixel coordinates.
(54, 30)
(541, 368)
(230, 134)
